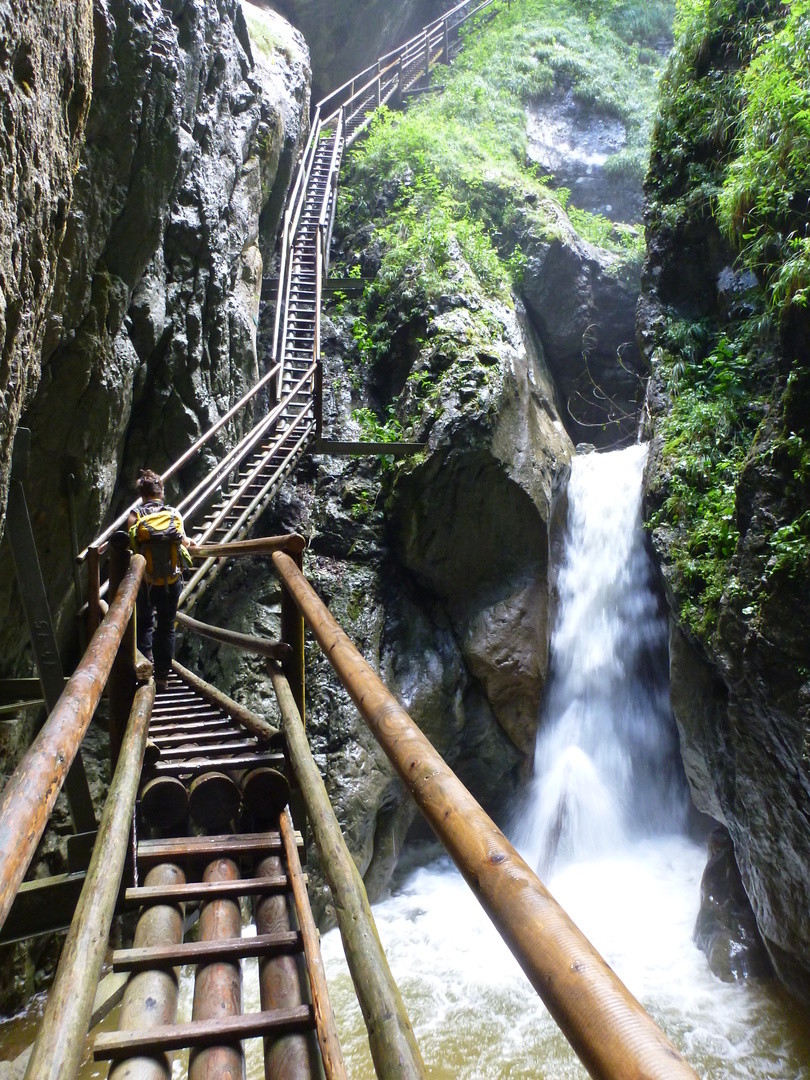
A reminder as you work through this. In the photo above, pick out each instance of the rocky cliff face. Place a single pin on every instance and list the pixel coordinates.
(727, 490)
(45, 79)
(345, 39)
(150, 330)
(132, 244)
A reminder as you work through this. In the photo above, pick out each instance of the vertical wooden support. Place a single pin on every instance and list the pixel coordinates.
(393, 1045)
(150, 999)
(93, 590)
(122, 680)
(58, 1050)
(281, 985)
(379, 66)
(446, 42)
(331, 1054)
(427, 58)
(37, 613)
(292, 634)
(398, 93)
(218, 985)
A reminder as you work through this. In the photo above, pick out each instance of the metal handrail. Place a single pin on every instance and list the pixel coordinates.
(192, 451)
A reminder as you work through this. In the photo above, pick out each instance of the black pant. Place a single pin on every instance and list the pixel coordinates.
(156, 636)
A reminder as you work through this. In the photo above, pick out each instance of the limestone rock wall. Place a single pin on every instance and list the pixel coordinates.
(45, 84)
(345, 38)
(150, 332)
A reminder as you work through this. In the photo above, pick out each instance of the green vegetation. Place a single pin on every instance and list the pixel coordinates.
(764, 203)
(731, 152)
(453, 195)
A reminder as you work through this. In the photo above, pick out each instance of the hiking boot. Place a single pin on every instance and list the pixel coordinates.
(161, 684)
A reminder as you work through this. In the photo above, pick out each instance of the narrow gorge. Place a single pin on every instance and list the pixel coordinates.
(584, 239)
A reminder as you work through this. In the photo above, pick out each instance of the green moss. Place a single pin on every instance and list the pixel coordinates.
(730, 153)
(763, 206)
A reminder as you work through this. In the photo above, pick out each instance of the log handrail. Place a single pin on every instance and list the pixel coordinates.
(28, 798)
(60, 1039)
(394, 1049)
(610, 1031)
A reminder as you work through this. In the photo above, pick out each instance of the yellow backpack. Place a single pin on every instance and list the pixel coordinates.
(157, 535)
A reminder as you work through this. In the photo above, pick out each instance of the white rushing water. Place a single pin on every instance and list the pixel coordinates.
(603, 821)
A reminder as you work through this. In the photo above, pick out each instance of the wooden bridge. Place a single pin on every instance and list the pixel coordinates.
(210, 804)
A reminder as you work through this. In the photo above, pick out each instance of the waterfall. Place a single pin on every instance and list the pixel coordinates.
(606, 756)
(603, 817)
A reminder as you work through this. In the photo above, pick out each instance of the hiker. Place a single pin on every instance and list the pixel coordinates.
(156, 532)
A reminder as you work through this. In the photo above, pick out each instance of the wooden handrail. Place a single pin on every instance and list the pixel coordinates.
(393, 1046)
(29, 795)
(59, 1044)
(184, 458)
(607, 1027)
(243, 716)
(273, 650)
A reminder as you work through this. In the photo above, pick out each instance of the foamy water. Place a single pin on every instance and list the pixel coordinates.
(603, 823)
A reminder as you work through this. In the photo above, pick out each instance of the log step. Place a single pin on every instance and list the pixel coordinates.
(217, 750)
(198, 1033)
(238, 761)
(204, 952)
(210, 847)
(206, 890)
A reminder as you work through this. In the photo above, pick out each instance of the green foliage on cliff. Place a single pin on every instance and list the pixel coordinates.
(765, 202)
(449, 185)
(731, 159)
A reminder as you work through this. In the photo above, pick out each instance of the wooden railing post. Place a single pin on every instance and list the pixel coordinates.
(122, 681)
(446, 42)
(609, 1030)
(28, 797)
(427, 57)
(60, 1041)
(292, 634)
(93, 590)
(393, 1045)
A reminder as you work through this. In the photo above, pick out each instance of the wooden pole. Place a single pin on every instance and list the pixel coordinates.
(58, 1049)
(262, 545)
(29, 795)
(292, 634)
(274, 650)
(93, 591)
(218, 985)
(609, 1030)
(122, 682)
(292, 1056)
(393, 1045)
(324, 1017)
(150, 998)
(245, 717)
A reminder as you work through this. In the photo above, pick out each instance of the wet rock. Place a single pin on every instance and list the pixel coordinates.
(582, 301)
(578, 146)
(726, 929)
(151, 333)
(44, 97)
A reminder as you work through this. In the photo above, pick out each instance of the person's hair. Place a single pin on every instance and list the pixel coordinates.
(149, 485)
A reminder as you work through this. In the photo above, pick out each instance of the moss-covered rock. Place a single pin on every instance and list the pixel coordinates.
(727, 487)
